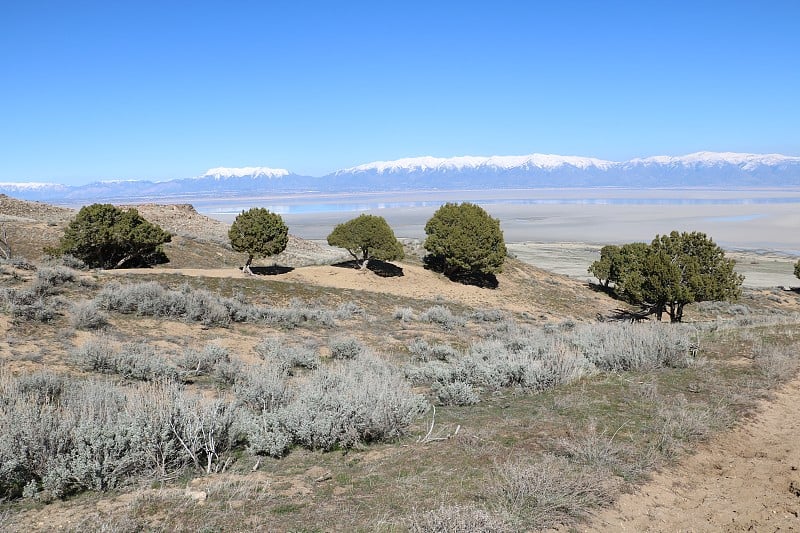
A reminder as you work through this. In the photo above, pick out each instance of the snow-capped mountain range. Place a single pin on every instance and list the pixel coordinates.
(701, 169)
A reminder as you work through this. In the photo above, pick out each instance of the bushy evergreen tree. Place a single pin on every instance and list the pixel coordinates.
(259, 233)
(105, 236)
(366, 237)
(463, 238)
(797, 269)
(672, 271)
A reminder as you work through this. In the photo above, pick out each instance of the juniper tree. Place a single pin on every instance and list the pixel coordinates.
(672, 271)
(463, 238)
(105, 236)
(258, 233)
(366, 237)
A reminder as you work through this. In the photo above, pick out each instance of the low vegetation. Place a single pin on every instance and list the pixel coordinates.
(231, 403)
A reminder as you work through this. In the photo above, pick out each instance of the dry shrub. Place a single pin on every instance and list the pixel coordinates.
(457, 519)
(551, 491)
(777, 364)
(597, 449)
(678, 423)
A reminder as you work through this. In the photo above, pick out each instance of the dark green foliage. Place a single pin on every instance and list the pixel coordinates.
(688, 267)
(258, 233)
(672, 271)
(464, 239)
(604, 267)
(625, 266)
(105, 236)
(367, 237)
(797, 269)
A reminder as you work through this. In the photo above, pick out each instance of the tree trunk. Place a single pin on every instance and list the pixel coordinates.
(123, 261)
(5, 248)
(246, 268)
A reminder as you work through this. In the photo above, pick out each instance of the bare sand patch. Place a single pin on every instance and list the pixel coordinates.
(744, 480)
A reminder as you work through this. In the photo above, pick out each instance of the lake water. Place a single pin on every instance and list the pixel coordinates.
(752, 219)
(373, 202)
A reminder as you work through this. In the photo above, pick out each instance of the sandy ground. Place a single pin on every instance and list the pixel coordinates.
(421, 284)
(744, 480)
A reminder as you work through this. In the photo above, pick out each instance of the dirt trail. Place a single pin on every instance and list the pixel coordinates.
(747, 479)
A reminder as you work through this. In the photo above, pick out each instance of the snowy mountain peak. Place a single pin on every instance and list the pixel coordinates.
(30, 186)
(467, 163)
(241, 172)
(744, 160)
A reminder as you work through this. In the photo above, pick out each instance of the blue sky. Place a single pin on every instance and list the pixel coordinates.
(167, 89)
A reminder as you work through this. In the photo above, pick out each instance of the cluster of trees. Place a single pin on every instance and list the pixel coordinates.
(461, 238)
(670, 272)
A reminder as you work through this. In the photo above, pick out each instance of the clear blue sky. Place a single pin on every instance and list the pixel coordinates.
(167, 89)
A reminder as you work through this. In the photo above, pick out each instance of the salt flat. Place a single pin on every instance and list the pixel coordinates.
(563, 229)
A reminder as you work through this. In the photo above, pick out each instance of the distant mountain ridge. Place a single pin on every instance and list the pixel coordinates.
(701, 169)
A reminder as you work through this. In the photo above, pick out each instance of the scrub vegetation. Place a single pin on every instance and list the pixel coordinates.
(167, 401)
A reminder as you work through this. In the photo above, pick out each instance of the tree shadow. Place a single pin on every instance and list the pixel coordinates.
(147, 261)
(598, 287)
(274, 270)
(465, 277)
(380, 268)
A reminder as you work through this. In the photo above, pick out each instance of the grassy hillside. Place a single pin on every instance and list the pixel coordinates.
(321, 398)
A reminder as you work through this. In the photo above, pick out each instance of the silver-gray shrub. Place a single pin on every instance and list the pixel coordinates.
(623, 347)
(404, 314)
(488, 315)
(262, 388)
(351, 402)
(207, 431)
(137, 361)
(424, 351)
(267, 434)
(40, 387)
(27, 304)
(536, 359)
(95, 435)
(276, 351)
(56, 275)
(444, 317)
(48, 279)
(347, 310)
(152, 299)
(97, 354)
(456, 393)
(205, 361)
(346, 348)
(537, 365)
(85, 315)
(296, 314)
(140, 361)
